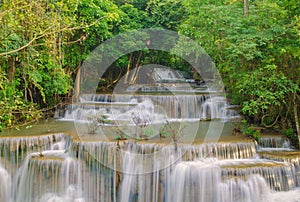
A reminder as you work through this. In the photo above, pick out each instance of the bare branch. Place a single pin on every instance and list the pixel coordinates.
(82, 38)
(22, 47)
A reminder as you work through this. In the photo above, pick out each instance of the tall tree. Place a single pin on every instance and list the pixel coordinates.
(38, 41)
(246, 47)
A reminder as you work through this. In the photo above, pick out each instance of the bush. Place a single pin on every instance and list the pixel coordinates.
(249, 131)
(292, 136)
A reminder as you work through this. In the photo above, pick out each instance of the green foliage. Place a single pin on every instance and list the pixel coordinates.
(119, 137)
(13, 109)
(264, 90)
(256, 135)
(119, 134)
(148, 131)
(130, 18)
(42, 43)
(12, 114)
(292, 136)
(257, 55)
(31, 49)
(165, 13)
(289, 132)
(248, 130)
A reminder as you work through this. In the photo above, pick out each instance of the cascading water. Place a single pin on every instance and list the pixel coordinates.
(5, 185)
(36, 175)
(216, 108)
(274, 143)
(201, 180)
(58, 167)
(110, 171)
(32, 172)
(240, 150)
(279, 176)
(46, 175)
(278, 148)
(16, 148)
(201, 106)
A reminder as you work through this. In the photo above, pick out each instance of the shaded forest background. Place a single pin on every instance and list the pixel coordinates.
(254, 43)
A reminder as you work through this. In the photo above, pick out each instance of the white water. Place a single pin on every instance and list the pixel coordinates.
(287, 196)
(202, 181)
(56, 168)
(217, 108)
(17, 148)
(165, 74)
(5, 185)
(48, 176)
(186, 174)
(274, 143)
(70, 195)
(171, 106)
(240, 150)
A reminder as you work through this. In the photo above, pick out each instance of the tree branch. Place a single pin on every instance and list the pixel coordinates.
(48, 33)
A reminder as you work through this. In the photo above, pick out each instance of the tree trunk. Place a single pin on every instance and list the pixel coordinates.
(296, 118)
(11, 68)
(128, 68)
(245, 8)
(137, 68)
(77, 85)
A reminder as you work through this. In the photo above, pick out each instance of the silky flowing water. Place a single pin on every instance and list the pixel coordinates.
(61, 166)
(76, 172)
(180, 106)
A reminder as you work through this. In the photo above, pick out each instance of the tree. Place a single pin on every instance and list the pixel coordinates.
(38, 41)
(266, 95)
(256, 54)
(168, 14)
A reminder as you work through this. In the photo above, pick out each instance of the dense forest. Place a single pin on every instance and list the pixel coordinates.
(254, 44)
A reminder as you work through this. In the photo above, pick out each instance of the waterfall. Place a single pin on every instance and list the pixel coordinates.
(15, 149)
(105, 151)
(35, 176)
(220, 151)
(201, 180)
(217, 108)
(279, 176)
(138, 186)
(5, 185)
(48, 175)
(179, 106)
(254, 188)
(145, 177)
(55, 167)
(99, 176)
(274, 143)
(59, 167)
(137, 183)
(291, 158)
(70, 195)
(277, 148)
(96, 98)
